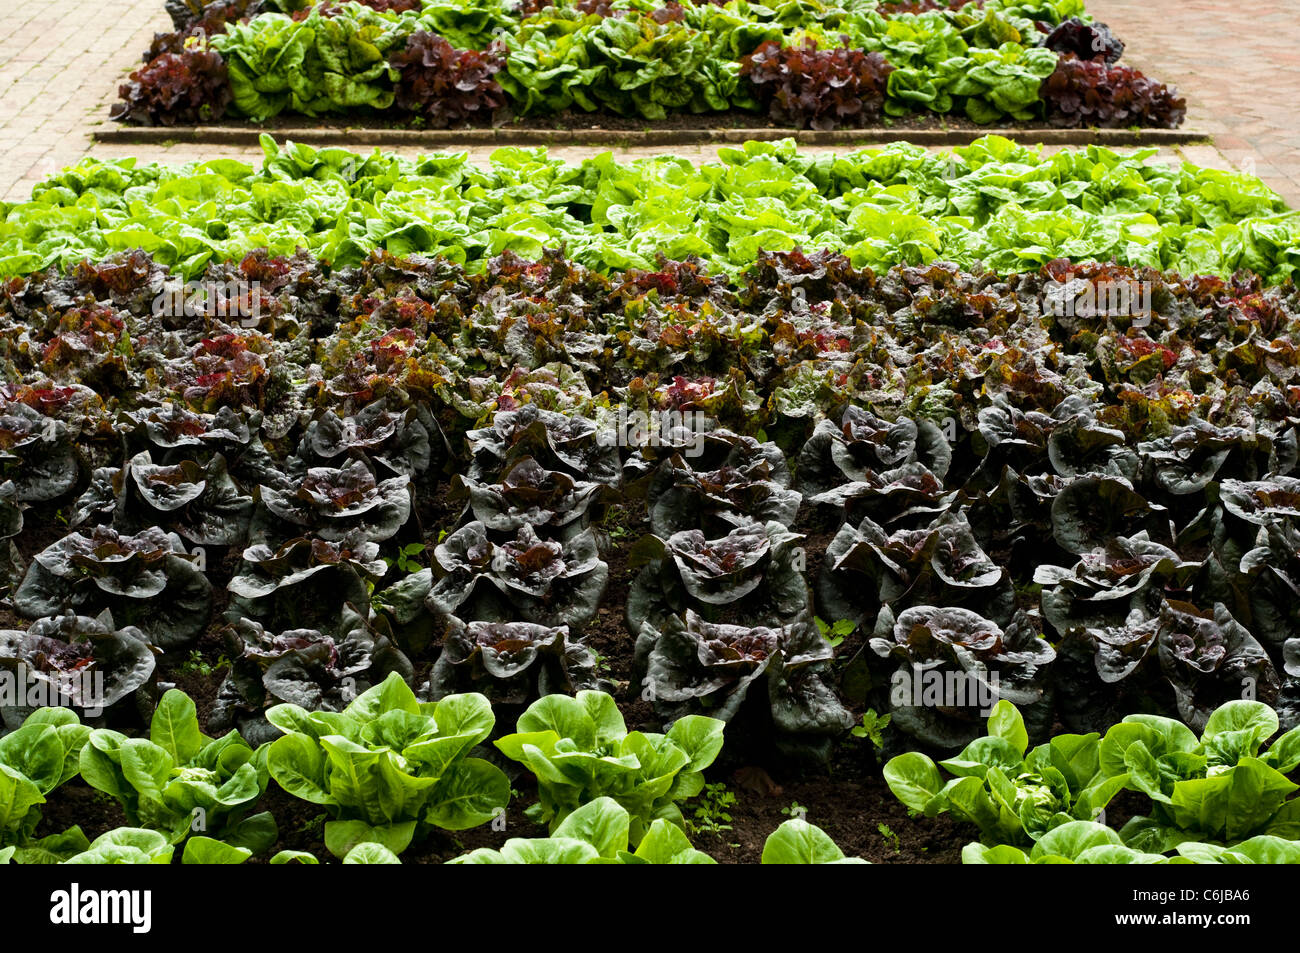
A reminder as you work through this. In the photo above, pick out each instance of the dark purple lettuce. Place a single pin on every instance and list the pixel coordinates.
(693, 666)
(512, 663)
(530, 495)
(87, 663)
(301, 583)
(347, 502)
(750, 483)
(989, 662)
(146, 580)
(36, 454)
(752, 575)
(1090, 93)
(1086, 41)
(805, 86)
(184, 88)
(446, 86)
(524, 578)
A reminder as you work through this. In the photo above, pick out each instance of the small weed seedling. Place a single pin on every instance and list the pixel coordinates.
(872, 728)
(890, 837)
(835, 632)
(711, 815)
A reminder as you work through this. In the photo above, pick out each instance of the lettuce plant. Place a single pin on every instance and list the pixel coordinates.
(300, 583)
(597, 832)
(579, 749)
(187, 87)
(863, 445)
(550, 501)
(993, 664)
(750, 484)
(127, 845)
(798, 842)
(12, 564)
(1074, 842)
(750, 573)
(694, 666)
(145, 580)
(36, 454)
(574, 445)
(396, 441)
(1014, 795)
(388, 768)
(1085, 40)
(34, 760)
(88, 664)
(802, 85)
(179, 781)
(201, 504)
(536, 580)
(444, 85)
(1089, 92)
(511, 663)
(335, 503)
(173, 433)
(1222, 787)
(314, 670)
(1261, 849)
(942, 564)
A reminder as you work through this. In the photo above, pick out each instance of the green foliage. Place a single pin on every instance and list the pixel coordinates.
(179, 780)
(34, 760)
(1006, 205)
(1015, 796)
(580, 749)
(388, 767)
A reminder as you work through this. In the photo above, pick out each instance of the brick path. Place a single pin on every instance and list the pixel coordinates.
(1238, 65)
(61, 61)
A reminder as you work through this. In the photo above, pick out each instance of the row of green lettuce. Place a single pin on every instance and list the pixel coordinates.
(388, 770)
(984, 61)
(1006, 206)
(1226, 797)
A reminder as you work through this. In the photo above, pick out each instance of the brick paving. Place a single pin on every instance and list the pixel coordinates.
(61, 61)
(1237, 64)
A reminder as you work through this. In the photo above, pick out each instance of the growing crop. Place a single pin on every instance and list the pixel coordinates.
(179, 781)
(1222, 787)
(598, 832)
(1008, 206)
(579, 749)
(1013, 794)
(389, 768)
(35, 759)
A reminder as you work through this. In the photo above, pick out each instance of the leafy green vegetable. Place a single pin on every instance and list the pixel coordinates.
(580, 749)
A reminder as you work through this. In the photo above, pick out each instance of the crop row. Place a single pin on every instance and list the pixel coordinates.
(1007, 207)
(984, 460)
(800, 63)
(388, 770)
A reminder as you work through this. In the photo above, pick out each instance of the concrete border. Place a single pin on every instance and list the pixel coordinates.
(245, 135)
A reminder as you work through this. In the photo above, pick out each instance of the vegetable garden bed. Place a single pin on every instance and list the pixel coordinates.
(426, 63)
(451, 538)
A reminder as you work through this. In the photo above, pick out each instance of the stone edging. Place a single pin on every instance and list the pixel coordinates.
(244, 135)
